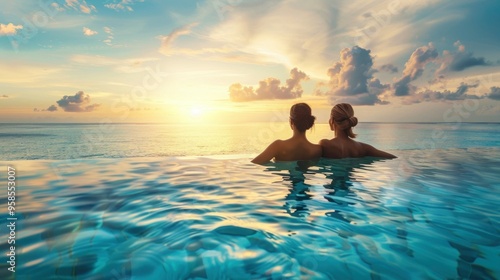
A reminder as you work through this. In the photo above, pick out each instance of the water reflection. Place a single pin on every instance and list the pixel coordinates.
(340, 175)
(293, 175)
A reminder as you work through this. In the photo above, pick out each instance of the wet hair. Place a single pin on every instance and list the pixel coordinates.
(343, 116)
(300, 116)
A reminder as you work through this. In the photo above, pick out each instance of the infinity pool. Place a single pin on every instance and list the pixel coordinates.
(426, 215)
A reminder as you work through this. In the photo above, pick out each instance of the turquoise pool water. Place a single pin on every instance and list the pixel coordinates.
(429, 214)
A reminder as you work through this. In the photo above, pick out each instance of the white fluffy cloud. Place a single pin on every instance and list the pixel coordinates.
(89, 32)
(414, 68)
(352, 81)
(9, 29)
(270, 88)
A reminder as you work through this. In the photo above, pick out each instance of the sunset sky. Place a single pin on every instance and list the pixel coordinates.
(248, 60)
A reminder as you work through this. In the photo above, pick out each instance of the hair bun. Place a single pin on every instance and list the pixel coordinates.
(312, 119)
(353, 121)
(301, 116)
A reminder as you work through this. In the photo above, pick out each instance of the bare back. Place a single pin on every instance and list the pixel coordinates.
(348, 148)
(297, 149)
(289, 150)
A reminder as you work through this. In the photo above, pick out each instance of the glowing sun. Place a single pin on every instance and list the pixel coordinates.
(196, 111)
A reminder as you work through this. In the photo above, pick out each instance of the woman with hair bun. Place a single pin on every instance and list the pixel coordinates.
(342, 120)
(297, 147)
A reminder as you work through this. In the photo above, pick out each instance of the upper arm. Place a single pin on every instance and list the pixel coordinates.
(268, 154)
(373, 152)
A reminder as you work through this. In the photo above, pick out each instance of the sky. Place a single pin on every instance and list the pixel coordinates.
(231, 61)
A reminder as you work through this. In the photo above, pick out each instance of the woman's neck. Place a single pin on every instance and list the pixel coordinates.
(299, 134)
(341, 134)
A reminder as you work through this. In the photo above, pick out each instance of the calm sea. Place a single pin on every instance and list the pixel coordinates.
(74, 141)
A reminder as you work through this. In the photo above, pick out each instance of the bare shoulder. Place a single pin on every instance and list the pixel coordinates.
(324, 142)
(371, 151)
(277, 142)
(366, 147)
(269, 153)
(276, 145)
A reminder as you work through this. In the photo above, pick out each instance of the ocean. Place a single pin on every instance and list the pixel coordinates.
(75, 141)
(158, 201)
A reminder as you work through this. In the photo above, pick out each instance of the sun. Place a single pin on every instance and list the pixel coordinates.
(189, 111)
(196, 110)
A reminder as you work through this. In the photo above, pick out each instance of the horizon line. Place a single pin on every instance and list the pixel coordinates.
(170, 123)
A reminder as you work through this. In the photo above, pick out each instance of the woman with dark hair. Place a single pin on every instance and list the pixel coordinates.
(342, 120)
(297, 147)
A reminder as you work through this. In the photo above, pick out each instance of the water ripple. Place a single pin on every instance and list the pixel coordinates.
(201, 218)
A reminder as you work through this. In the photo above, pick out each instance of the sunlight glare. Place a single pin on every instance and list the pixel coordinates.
(196, 110)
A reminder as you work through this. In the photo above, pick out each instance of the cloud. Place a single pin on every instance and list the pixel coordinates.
(85, 9)
(352, 81)
(57, 7)
(293, 33)
(460, 60)
(4, 96)
(430, 95)
(225, 54)
(122, 5)
(166, 41)
(51, 108)
(82, 6)
(414, 68)
(300, 34)
(89, 32)
(9, 29)
(80, 102)
(389, 68)
(270, 88)
(109, 39)
(494, 93)
(128, 65)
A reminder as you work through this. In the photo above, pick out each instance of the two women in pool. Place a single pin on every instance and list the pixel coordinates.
(342, 120)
